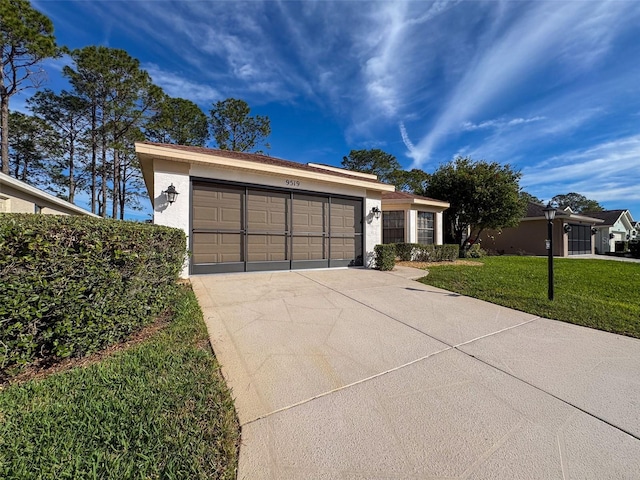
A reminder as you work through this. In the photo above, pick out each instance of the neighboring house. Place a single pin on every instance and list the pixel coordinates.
(411, 218)
(617, 226)
(246, 212)
(572, 234)
(20, 197)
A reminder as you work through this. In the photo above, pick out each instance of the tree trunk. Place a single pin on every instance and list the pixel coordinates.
(4, 125)
(103, 171)
(115, 195)
(123, 190)
(72, 180)
(94, 158)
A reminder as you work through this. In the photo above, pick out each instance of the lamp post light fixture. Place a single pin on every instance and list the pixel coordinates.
(550, 214)
(376, 212)
(171, 194)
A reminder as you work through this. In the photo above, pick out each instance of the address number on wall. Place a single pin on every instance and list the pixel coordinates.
(292, 183)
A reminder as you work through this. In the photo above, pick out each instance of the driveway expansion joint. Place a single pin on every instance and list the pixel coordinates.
(344, 387)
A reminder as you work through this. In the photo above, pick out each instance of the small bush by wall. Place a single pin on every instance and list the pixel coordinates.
(474, 251)
(385, 256)
(72, 285)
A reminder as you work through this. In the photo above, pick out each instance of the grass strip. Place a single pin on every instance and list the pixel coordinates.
(602, 294)
(160, 409)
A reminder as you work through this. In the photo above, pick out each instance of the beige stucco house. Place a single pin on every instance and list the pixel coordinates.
(408, 218)
(572, 234)
(249, 212)
(20, 197)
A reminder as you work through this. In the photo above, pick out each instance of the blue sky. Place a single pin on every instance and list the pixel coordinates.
(553, 88)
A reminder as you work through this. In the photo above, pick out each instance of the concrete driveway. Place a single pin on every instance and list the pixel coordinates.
(360, 374)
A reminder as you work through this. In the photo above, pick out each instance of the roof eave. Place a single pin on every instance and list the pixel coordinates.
(147, 152)
(36, 192)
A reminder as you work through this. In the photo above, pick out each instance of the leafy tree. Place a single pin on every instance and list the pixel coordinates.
(413, 181)
(233, 128)
(29, 140)
(178, 121)
(26, 38)
(67, 115)
(482, 196)
(374, 161)
(577, 202)
(527, 197)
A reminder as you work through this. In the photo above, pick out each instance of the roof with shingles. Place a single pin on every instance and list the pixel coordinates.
(536, 210)
(609, 216)
(408, 196)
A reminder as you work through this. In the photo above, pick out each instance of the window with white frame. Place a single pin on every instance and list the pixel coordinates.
(425, 228)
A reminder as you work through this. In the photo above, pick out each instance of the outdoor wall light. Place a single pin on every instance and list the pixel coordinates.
(594, 230)
(375, 211)
(566, 227)
(171, 193)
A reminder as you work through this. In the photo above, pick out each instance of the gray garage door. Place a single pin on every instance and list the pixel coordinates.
(580, 240)
(238, 228)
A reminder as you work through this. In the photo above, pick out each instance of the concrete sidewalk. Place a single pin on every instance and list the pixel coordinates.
(360, 374)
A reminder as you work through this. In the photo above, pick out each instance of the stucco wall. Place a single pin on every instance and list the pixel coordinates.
(527, 239)
(372, 227)
(16, 201)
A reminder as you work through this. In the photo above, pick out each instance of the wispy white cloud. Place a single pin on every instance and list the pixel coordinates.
(405, 138)
(520, 52)
(607, 172)
(176, 85)
(499, 123)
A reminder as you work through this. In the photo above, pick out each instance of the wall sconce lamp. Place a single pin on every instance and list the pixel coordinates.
(375, 211)
(594, 230)
(171, 194)
(566, 227)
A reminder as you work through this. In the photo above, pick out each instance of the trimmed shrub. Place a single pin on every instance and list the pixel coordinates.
(73, 285)
(385, 256)
(417, 252)
(404, 251)
(474, 251)
(634, 249)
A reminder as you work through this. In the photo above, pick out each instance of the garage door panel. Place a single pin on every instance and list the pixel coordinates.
(343, 248)
(216, 208)
(266, 248)
(266, 211)
(309, 248)
(310, 214)
(346, 216)
(216, 247)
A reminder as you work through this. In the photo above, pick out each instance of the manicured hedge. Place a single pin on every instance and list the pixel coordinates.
(72, 285)
(426, 253)
(385, 255)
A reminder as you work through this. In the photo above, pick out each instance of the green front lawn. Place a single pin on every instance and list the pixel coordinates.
(159, 409)
(602, 294)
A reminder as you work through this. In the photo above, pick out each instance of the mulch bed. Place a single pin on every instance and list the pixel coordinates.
(43, 369)
(424, 265)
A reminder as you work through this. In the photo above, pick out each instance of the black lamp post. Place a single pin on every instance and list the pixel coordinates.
(550, 214)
